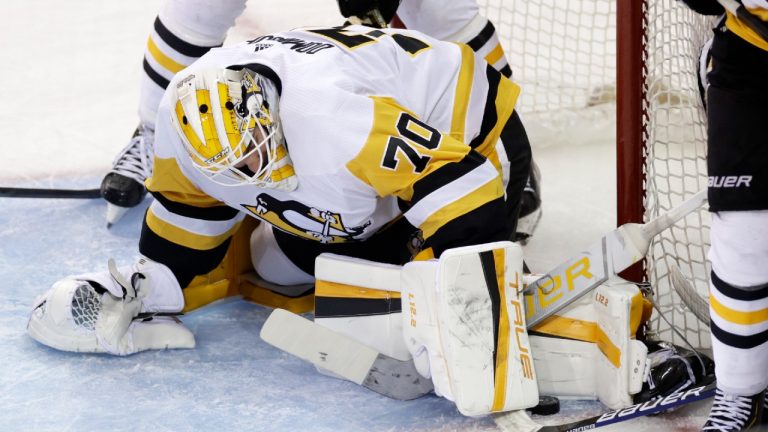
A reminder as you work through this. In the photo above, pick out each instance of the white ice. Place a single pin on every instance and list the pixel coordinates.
(68, 98)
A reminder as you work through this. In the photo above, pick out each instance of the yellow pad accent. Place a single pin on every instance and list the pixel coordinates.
(586, 331)
(271, 299)
(502, 344)
(339, 290)
(226, 280)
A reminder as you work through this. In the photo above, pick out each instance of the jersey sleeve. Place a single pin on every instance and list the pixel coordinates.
(184, 228)
(454, 194)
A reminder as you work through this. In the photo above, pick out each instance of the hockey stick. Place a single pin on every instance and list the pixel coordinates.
(344, 356)
(692, 300)
(394, 378)
(17, 192)
(753, 22)
(615, 252)
(519, 421)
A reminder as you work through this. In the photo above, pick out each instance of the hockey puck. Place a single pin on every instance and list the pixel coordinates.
(548, 405)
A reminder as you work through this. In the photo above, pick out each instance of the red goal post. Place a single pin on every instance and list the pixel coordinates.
(634, 64)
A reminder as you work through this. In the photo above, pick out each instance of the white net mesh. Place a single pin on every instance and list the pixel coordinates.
(563, 54)
(675, 136)
(86, 304)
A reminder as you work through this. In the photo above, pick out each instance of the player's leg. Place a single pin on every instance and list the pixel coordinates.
(738, 197)
(183, 31)
(458, 21)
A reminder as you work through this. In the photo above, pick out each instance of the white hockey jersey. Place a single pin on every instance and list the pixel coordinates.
(379, 124)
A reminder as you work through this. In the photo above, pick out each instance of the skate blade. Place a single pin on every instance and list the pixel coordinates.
(114, 214)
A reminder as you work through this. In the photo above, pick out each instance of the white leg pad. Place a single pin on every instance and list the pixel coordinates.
(465, 316)
(342, 277)
(609, 367)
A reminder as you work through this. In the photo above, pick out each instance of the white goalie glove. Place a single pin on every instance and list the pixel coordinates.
(120, 312)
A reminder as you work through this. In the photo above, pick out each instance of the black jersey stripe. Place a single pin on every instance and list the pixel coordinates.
(185, 263)
(484, 224)
(338, 307)
(738, 341)
(179, 45)
(217, 213)
(506, 71)
(444, 175)
(154, 75)
(490, 117)
(728, 290)
(483, 37)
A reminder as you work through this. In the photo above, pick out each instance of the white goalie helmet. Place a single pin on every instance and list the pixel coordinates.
(229, 123)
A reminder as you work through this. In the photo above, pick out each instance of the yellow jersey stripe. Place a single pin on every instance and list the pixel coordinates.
(168, 179)
(495, 54)
(484, 194)
(162, 59)
(744, 31)
(735, 316)
(463, 92)
(502, 339)
(183, 237)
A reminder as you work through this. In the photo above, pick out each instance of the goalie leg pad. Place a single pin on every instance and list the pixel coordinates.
(361, 299)
(465, 316)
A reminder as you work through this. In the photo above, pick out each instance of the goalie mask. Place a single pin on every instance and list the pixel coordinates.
(228, 121)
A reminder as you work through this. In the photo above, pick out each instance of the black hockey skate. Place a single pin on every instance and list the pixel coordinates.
(735, 413)
(764, 420)
(123, 187)
(673, 369)
(530, 207)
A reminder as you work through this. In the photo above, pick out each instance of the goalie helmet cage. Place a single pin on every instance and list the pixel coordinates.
(567, 56)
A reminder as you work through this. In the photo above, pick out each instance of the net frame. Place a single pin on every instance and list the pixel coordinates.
(634, 61)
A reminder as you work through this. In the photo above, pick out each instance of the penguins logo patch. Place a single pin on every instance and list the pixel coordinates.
(307, 222)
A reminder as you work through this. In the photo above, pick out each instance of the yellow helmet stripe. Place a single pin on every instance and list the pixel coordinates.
(230, 119)
(189, 133)
(212, 148)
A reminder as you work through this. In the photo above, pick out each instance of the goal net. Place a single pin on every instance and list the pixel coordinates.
(564, 55)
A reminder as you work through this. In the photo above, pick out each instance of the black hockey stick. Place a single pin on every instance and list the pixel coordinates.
(743, 14)
(17, 192)
(514, 421)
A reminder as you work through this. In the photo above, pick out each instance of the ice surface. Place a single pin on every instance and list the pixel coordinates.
(69, 87)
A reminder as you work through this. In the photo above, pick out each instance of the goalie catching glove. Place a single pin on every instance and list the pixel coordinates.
(120, 312)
